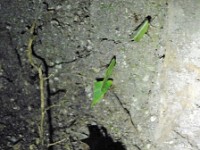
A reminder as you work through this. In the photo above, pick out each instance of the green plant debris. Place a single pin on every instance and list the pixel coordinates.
(108, 72)
(141, 29)
(98, 93)
(101, 87)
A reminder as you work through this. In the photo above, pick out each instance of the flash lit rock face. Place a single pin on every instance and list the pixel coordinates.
(154, 101)
(178, 81)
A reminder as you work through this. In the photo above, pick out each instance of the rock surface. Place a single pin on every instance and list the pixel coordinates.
(153, 103)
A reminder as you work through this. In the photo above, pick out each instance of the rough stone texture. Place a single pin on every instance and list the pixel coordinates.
(178, 81)
(153, 103)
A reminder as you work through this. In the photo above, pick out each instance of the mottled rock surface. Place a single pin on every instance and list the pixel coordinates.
(153, 103)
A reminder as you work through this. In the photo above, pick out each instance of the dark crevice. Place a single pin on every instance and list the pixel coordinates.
(83, 53)
(110, 40)
(58, 92)
(18, 57)
(7, 79)
(187, 139)
(159, 54)
(80, 55)
(162, 57)
(198, 106)
(47, 8)
(126, 110)
(137, 147)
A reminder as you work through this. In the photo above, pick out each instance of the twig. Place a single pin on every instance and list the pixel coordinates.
(41, 83)
(42, 105)
(55, 143)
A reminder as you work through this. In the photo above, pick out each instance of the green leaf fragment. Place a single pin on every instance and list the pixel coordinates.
(108, 72)
(98, 93)
(142, 29)
(101, 87)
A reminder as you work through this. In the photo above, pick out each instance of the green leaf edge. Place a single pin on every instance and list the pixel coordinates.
(109, 72)
(98, 94)
(101, 87)
(141, 31)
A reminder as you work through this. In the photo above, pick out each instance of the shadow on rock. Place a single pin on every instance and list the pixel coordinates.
(100, 140)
